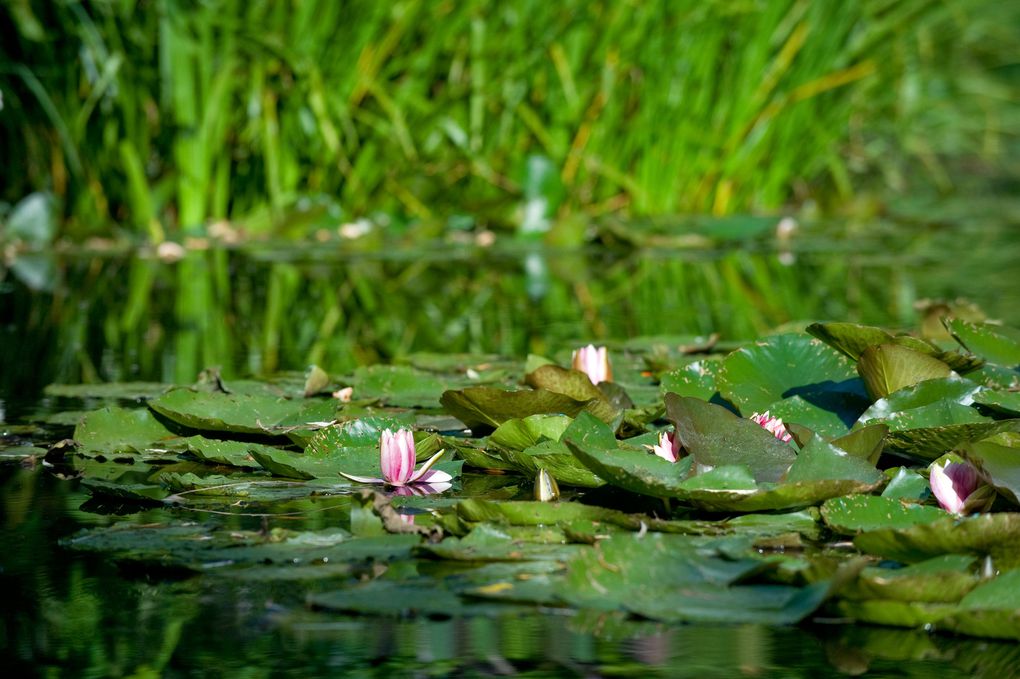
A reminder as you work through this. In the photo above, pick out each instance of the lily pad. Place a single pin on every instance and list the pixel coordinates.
(757, 376)
(996, 535)
(996, 343)
(948, 389)
(116, 431)
(215, 451)
(886, 368)
(519, 434)
(859, 513)
(1005, 402)
(555, 458)
(714, 436)
(849, 338)
(238, 413)
(124, 391)
(634, 469)
(697, 379)
(399, 385)
(488, 407)
(576, 385)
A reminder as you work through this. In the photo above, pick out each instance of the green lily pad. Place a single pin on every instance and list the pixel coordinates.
(714, 436)
(947, 389)
(215, 451)
(942, 579)
(849, 338)
(399, 385)
(489, 407)
(995, 535)
(905, 484)
(118, 431)
(1005, 402)
(886, 368)
(519, 434)
(697, 379)
(557, 459)
(781, 366)
(487, 542)
(692, 583)
(853, 515)
(634, 469)
(124, 391)
(996, 343)
(238, 413)
(820, 461)
(865, 442)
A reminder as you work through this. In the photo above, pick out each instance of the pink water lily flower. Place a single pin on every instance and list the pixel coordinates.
(773, 425)
(397, 457)
(953, 484)
(668, 447)
(594, 362)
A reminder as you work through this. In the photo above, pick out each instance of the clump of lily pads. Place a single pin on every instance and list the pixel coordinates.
(666, 478)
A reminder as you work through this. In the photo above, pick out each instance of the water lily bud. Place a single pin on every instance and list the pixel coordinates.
(774, 425)
(594, 362)
(546, 488)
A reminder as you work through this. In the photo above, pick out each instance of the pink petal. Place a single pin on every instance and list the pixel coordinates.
(408, 455)
(389, 457)
(952, 484)
(362, 479)
(425, 467)
(434, 476)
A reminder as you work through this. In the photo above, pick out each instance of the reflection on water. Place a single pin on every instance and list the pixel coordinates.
(68, 613)
(261, 310)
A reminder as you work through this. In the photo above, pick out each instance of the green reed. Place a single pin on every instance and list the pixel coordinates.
(164, 115)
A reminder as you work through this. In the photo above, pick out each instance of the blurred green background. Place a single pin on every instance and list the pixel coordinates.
(155, 117)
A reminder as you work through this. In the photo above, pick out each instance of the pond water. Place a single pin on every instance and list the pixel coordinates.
(265, 309)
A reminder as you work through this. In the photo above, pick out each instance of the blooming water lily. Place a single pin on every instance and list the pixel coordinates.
(594, 362)
(668, 447)
(773, 425)
(952, 484)
(397, 458)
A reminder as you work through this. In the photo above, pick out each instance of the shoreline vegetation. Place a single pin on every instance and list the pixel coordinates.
(162, 119)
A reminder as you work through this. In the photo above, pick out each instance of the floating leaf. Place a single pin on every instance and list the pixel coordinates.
(555, 458)
(1005, 402)
(238, 413)
(697, 379)
(518, 434)
(852, 515)
(993, 342)
(634, 469)
(113, 431)
(781, 366)
(944, 389)
(576, 385)
(714, 436)
(995, 535)
(886, 368)
(488, 407)
(399, 385)
(849, 338)
(234, 453)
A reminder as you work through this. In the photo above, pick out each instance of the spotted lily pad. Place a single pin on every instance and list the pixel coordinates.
(239, 413)
(119, 431)
(860, 513)
(993, 342)
(996, 535)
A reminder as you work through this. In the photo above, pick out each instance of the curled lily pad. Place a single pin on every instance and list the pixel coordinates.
(886, 368)
(949, 389)
(631, 468)
(519, 434)
(488, 407)
(1005, 402)
(576, 385)
(556, 459)
(849, 338)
